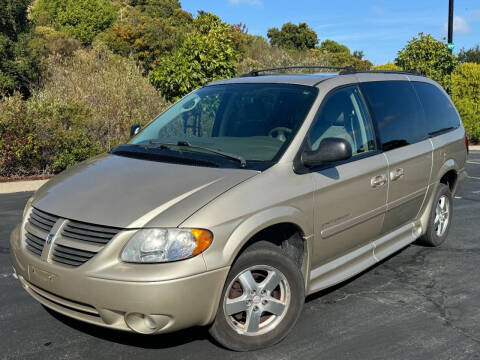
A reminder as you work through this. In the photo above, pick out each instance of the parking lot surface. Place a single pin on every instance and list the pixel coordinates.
(422, 303)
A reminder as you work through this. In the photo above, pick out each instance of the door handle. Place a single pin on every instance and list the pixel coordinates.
(378, 181)
(397, 174)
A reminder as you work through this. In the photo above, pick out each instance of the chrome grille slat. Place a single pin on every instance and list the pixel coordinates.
(36, 239)
(96, 234)
(39, 224)
(42, 220)
(70, 257)
(66, 261)
(84, 238)
(45, 215)
(67, 250)
(34, 250)
(96, 228)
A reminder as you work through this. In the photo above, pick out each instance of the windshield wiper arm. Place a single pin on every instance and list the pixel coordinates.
(164, 145)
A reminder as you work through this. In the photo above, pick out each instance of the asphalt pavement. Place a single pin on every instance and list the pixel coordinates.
(421, 303)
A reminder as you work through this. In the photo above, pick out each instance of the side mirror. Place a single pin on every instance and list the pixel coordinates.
(134, 130)
(330, 150)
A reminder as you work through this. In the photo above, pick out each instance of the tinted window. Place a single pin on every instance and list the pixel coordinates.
(344, 115)
(397, 112)
(440, 114)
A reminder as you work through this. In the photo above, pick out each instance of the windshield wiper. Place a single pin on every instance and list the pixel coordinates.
(164, 145)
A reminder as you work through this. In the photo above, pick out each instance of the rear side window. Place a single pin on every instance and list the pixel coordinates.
(440, 114)
(397, 112)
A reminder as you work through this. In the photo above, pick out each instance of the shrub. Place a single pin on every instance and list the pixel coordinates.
(333, 47)
(429, 57)
(387, 66)
(209, 53)
(87, 106)
(81, 19)
(466, 95)
(470, 55)
(144, 38)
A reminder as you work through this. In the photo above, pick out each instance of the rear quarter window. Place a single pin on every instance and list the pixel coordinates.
(440, 114)
(397, 112)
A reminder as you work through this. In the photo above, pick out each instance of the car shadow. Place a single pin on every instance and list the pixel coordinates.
(159, 341)
(181, 337)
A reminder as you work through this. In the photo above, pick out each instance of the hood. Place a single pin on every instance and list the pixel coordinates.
(123, 192)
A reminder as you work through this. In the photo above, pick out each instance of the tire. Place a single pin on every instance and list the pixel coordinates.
(267, 264)
(435, 236)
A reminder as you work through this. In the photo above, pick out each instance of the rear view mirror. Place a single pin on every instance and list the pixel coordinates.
(134, 130)
(329, 150)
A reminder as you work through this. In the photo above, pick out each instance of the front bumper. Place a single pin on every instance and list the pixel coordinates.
(171, 304)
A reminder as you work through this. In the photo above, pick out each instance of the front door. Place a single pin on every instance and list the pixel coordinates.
(350, 197)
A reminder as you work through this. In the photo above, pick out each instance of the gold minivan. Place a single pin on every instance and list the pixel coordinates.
(243, 198)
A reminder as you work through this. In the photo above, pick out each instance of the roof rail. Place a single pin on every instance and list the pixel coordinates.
(403, 72)
(259, 71)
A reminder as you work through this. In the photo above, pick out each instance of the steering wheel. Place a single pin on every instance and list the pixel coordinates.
(281, 133)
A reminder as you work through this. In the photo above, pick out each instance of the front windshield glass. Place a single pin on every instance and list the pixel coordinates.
(253, 121)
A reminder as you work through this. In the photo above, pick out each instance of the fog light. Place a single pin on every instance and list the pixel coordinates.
(149, 322)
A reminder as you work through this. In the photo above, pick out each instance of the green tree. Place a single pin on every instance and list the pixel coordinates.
(207, 54)
(466, 95)
(13, 17)
(470, 55)
(429, 57)
(387, 66)
(332, 46)
(146, 38)
(81, 19)
(293, 37)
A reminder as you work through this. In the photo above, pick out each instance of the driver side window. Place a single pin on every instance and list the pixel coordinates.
(344, 115)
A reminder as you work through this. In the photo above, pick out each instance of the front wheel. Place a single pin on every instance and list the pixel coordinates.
(262, 299)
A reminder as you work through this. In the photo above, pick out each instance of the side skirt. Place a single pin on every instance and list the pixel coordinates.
(358, 260)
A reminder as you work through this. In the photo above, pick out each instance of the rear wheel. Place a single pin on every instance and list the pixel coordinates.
(261, 301)
(440, 218)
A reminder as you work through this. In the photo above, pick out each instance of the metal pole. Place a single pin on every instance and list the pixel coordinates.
(450, 23)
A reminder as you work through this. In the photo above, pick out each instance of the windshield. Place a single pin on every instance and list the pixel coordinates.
(253, 122)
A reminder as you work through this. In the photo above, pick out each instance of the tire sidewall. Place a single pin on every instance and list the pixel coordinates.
(270, 256)
(432, 237)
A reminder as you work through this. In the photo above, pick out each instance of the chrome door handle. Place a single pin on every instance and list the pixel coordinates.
(397, 174)
(378, 181)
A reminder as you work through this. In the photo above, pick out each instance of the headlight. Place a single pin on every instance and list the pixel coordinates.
(164, 245)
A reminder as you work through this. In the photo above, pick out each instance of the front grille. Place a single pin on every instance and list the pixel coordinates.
(77, 243)
(37, 229)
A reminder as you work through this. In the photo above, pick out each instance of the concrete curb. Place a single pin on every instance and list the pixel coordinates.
(20, 186)
(474, 147)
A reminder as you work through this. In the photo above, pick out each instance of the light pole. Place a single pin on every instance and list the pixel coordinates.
(451, 45)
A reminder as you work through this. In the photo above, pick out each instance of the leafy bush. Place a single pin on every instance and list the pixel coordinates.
(387, 66)
(13, 17)
(144, 38)
(466, 95)
(429, 57)
(157, 8)
(88, 105)
(207, 54)
(333, 47)
(81, 19)
(291, 36)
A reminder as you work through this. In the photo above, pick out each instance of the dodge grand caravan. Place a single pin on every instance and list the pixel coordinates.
(243, 198)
